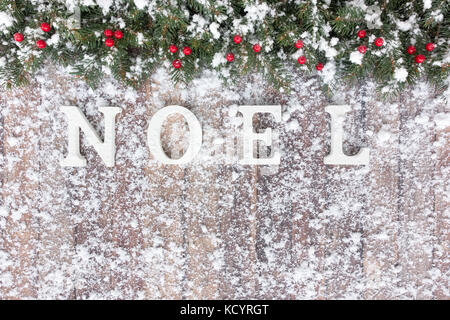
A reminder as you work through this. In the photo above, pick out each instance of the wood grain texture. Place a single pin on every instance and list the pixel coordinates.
(143, 230)
(440, 254)
(20, 196)
(381, 226)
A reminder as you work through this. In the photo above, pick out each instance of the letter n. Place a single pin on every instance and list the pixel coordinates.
(76, 122)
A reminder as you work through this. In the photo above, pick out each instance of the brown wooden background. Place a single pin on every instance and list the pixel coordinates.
(224, 231)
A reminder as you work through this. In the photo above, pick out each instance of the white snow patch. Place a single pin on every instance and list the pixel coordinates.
(400, 74)
(6, 20)
(406, 25)
(214, 28)
(328, 72)
(53, 40)
(105, 5)
(257, 12)
(218, 59)
(356, 57)
(442, 120)
(384, 135)
(427, 4)
(3, 212)
(141, 4)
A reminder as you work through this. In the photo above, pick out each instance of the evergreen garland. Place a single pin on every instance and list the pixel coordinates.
(328, 30)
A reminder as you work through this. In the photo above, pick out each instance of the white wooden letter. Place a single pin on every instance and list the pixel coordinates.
(154, 135)
(266, 136)
(337, 155)
(76, 121)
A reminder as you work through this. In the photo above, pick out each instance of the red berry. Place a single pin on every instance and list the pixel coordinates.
(108, 33)
(301, 60)
(362, 49)
(176, 63)
(237, 39)
(187, 51)
(361, 33)
(109, 42)
(411, 50)
(230, 57)
(298, 44)
(45, 27)
(379, 42)
(319, 66)
(41, 44)
(18, 37)
(420, 58)
(173, 48)
(429, 46)
(118, 34)
(256, 47)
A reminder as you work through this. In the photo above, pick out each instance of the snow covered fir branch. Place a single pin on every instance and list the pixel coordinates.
(395, 42)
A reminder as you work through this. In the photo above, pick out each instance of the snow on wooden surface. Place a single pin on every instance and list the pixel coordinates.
(215, 229)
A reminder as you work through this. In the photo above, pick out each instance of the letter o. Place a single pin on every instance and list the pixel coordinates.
(154, 135)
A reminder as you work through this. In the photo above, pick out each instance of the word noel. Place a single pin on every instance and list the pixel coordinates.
(106, 149)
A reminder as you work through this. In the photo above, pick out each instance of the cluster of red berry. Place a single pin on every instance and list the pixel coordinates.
(362, 48)
(229, 56)
(411, 49)
(238, 39)
(109, 41)
(41, 44)
(302, 59)
(177, 62)
(420, 57)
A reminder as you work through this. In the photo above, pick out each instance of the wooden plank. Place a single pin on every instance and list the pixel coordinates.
(344, 209)
(241, 225)
(441, 262)
(220, 221)
(204, 253)
(123, 210)
(55, 248)
(304, 149)
(4, 254)
(380, 224)
(164, 238)
(284, 197)
(164, 242)
(238, 233)
(417, 204)
(20, 191)
(88, 199)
